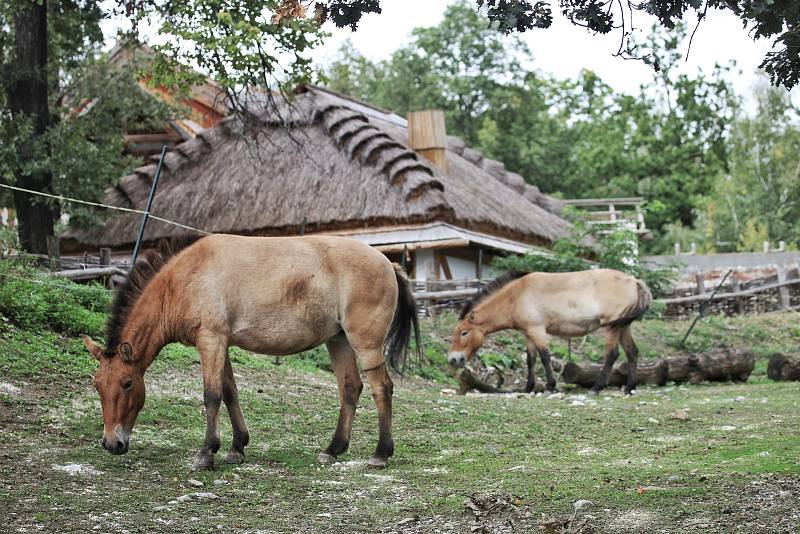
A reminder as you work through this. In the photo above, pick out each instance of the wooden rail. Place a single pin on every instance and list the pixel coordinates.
(702, 297)
(89, 273)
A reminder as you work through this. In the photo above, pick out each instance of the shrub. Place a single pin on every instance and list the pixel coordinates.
(35, 302)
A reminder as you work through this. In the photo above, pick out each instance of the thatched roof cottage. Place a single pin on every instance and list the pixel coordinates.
(327, 164)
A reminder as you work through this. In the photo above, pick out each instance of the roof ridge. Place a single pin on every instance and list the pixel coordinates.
(369, 144)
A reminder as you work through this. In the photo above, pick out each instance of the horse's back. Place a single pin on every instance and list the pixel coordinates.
(281, 295)
(575, 303)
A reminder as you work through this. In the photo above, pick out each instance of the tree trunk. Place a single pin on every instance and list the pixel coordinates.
(714, 366)
(586, 374)
(27, 94)
(781, 368)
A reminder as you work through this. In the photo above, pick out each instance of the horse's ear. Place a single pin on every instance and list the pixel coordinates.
(471, 317)
(93, 348)
(126, 351)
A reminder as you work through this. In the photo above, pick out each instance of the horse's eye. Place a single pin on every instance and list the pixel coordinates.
(128, 385)
(464, 333)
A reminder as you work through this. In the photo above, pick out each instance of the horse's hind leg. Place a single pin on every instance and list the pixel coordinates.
(612, 352)
(241, 437)
(530, 350)
(213, 350)
(374, 366)
(632, 354)
(382, 388)
(343, 359)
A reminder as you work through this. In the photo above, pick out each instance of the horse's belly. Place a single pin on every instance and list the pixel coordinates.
(285, 336)
(573, 326)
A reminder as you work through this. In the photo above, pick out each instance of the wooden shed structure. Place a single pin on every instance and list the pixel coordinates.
(326, 164)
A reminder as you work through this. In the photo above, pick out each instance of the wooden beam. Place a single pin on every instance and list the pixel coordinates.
(422, 245)
(445, 266)
(88, 274)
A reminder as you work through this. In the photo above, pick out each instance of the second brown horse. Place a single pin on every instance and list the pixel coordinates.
(540, 305)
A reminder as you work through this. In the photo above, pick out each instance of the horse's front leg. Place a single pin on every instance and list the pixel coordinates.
(544, 354)
(537, 339)
(213, 350)
(612, 352)
(230, 394)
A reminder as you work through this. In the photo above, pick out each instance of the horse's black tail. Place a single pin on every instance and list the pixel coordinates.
(405, 319)
(637, 309)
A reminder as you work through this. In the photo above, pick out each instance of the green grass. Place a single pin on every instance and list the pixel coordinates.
(735, 463)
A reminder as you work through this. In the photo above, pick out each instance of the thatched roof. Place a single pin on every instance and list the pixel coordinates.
(326, 163)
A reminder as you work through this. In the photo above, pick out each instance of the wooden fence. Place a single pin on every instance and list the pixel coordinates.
(739, 297)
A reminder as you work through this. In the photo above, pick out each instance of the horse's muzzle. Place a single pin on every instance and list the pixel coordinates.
(457, 359)
(115, 446)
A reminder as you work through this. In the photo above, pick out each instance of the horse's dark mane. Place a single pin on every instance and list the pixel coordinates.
(489, 289)
(141, 274)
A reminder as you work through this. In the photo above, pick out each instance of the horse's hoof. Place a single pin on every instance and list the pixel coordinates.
(326, 459)
(203, 463)
(377, 462)
(234, 457)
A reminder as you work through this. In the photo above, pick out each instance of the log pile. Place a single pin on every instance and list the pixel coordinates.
(781, 368)
(719, 365)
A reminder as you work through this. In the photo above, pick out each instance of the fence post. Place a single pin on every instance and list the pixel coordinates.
(739, 300)
(700, 280)
(149, 205)
(105, 256)
(783, 291)
(53, 250)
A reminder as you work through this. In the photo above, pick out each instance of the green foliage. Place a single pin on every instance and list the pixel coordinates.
(35, 302)
(500, 360)
(90, 105)
(615, 250)
(242, 44)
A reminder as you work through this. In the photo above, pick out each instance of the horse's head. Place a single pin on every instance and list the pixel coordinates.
(467, 339)
(120, 383)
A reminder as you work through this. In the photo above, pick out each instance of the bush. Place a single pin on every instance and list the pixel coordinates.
(35, 302)
(617, 250)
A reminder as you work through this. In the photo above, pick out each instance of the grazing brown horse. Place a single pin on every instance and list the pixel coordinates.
(561, 304)
(273, 296)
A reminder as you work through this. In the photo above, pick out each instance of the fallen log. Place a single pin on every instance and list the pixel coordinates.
(718, 365)
(467, 380)
(585, 374)
(780, 368)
